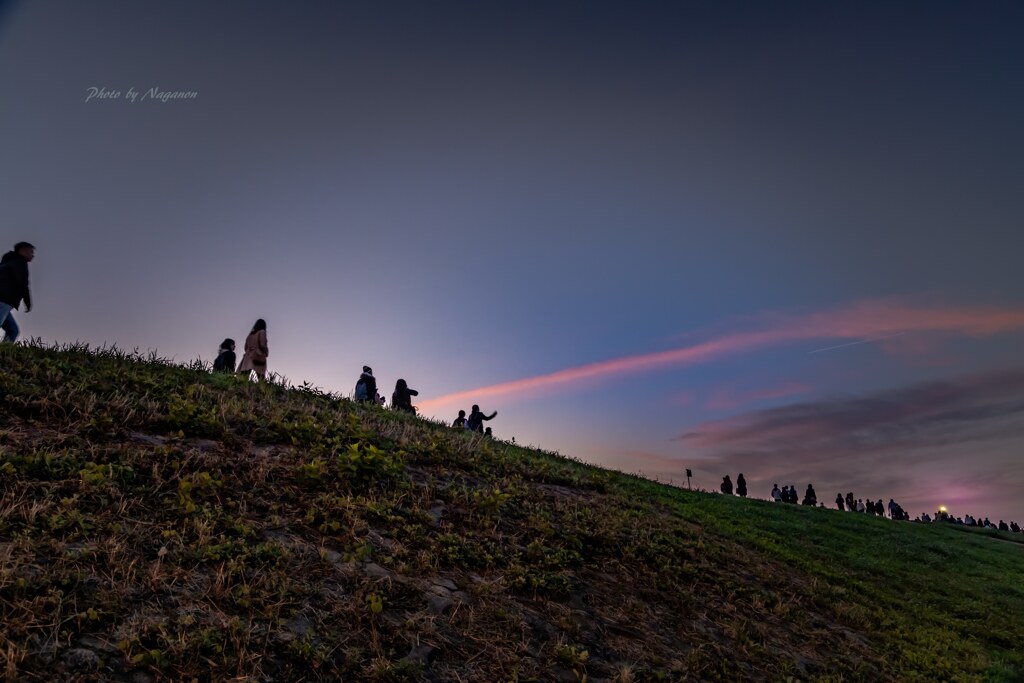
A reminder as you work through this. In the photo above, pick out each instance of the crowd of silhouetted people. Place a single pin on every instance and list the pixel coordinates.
(254, 364)
(847, 503)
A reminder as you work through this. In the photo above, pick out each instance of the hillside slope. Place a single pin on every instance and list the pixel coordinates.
(163, 523)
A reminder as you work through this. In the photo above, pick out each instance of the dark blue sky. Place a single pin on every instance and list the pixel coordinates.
(470, 195)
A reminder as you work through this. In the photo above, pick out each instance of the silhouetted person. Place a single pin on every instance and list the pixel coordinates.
(810, 497)
(794, 497)
(1003, 526)
(860, 505)
(776, 493)
(14, 287)
(741, 486)
(256, 351)
(225, 361)
(726, 485)
(460, 421)
(851, 505)
(785, 494)
(839, 502)
(488, 433)
(475, 423)
(402, 398)
(366, 386)
(1014, 527)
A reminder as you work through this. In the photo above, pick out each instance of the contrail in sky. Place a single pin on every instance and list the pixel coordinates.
(862, 341)
(860, 319)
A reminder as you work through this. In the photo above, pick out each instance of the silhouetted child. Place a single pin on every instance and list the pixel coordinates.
(726, 485)
(488, 433)
(402, 398)
(460, 421)
(225, 357)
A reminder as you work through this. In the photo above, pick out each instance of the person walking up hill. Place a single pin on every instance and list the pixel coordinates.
(14, 287)
(256, 351)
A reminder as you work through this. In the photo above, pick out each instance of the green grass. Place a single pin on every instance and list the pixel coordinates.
(165, 523)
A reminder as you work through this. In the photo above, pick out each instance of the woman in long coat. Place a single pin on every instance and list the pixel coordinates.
(256, 351)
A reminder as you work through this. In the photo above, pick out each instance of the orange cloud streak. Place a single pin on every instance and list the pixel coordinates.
(857, 321)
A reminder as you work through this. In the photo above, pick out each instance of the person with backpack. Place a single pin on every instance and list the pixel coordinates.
(460, 421)
(254, 359)
(741, 486)
(14, 287)
(726, 485)
(366, 386)
(401, 399)
(476, 419)
(225, 357)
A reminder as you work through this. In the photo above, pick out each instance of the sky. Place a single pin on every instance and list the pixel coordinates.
(781, 239)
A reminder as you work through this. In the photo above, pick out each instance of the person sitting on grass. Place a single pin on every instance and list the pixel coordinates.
(726, 485)
(476, 419)
(225, 357)
(401, 399)
(366, 386)
(460, 421)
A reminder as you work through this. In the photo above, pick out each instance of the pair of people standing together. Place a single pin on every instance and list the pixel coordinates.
(254, 358)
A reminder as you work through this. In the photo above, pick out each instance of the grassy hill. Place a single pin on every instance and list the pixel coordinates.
(163, 523)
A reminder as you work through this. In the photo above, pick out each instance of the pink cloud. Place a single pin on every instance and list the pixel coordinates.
(857, 321)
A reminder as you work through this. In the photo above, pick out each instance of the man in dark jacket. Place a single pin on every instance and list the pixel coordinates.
(14, 286)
